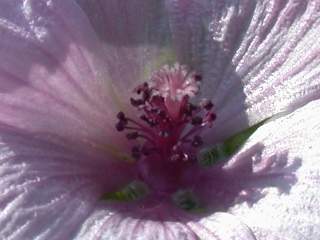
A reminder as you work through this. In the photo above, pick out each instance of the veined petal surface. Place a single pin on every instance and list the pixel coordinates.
(258, 57)
(51, 72)
(47, 190)
(56, 120)
(136, 36)
(272, 183)
(163, 222)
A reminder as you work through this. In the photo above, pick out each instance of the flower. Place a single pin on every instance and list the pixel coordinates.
(67, 69)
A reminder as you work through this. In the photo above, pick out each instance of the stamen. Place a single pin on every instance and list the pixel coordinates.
(120, 126)
(206, 104)
(210, 117)
(197, 121)
(165, 113)
(197, 141)
(121, 116)
(198, 77)
(189, 109)
(136, 102)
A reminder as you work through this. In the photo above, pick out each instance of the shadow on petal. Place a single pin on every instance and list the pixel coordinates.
(38, 38)
(245, 178)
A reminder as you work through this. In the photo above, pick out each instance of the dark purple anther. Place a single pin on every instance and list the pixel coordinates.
(141, 88)
(136, 102)
(198, 77)
(211, 117)
(206, 104)
(132, 135)
(189, 109)
(197, 120)
(197, 141)
(120, 126)
(121, 116)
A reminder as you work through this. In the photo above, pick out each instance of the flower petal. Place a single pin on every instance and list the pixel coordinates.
(136, 37)
(50, 70)
(46, 190)
(222, 226)
(162, 221)
(295, 214)
(121, 223)
(258, 185)
(258, 57)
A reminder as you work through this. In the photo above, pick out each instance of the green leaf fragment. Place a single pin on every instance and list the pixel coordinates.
(211, 156)
(223, 150)
(233, 143)
(186, 200)
(133, 191)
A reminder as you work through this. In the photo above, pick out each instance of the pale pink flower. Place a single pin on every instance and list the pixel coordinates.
(67, 68)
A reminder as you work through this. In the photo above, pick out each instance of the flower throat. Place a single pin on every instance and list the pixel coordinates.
(167, 133)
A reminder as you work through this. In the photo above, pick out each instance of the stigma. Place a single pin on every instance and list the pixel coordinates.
(166, 133)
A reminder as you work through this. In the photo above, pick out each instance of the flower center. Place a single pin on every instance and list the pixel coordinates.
(167, 133)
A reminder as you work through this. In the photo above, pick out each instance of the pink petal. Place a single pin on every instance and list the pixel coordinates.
(51, 76)
(46, 190)
(158, 222)
(124, 23)
(136, 37)
(261, 184)
(258, 57)
(222, 226)
(163, 222)
(56, 116)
